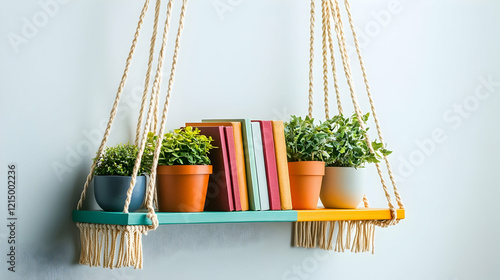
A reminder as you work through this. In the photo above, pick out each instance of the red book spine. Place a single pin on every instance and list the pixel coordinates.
(270, 162)
(233, 169)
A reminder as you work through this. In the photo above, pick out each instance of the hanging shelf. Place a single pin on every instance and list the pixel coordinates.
(119, 234)
(166, 218)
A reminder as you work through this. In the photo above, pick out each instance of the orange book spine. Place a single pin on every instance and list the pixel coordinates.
(282, 165)
(240, 158)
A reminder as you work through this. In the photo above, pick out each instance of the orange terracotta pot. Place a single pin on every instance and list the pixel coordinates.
(182, 188)
(305, 183)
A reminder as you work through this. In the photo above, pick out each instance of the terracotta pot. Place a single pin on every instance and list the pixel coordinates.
(111, 192)
(305, 183)
(342, 187)
(182, 188)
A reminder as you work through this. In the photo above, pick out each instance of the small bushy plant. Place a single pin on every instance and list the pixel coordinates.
(185, 146)
(305, 141)
(347, 146)
(120, 160)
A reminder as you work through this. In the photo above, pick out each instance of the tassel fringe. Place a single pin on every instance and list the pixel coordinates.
(356, 236)
(119, 246)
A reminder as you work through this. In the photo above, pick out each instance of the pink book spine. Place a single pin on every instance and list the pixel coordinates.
(270, 162)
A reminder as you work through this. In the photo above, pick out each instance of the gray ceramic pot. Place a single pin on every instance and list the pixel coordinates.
(111, 192)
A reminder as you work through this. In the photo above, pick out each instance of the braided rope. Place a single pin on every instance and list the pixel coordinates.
(372, 104)
(332, 59)
(347, 70)
(324, 16)
(154, 124)
(165, 108)
(311, 59)
(148, 72)
(365, 201)
(115, 104)
(153, 101)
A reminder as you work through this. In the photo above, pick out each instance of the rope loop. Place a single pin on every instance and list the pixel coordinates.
(331, 10)
(115, 104)
(151, 120)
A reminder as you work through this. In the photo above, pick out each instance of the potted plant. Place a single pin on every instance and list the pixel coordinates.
(306, 152)
(113, 173)
(348, 150)
(183, 171)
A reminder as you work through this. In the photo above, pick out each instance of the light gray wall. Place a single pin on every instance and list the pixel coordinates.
(427, 61)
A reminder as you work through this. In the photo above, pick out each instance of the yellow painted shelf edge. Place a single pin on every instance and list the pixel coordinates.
(322, 214)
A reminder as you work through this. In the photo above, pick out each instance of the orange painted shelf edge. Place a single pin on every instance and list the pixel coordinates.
(323, 214)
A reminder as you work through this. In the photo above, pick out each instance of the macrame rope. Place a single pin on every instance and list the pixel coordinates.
(115, 104)
(311, 60)
(372, 104)
(324, 16)
(332, 59)
(119, 245)
(148, 72)
(326, 13)
(365, 201)
(347, 70)
(154, 124)
(153, 101)
(152, 108)
(167, 101)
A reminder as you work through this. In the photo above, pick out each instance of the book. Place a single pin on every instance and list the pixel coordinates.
(219, 193)
(282, 165)
(250, 168)
(233, 168)
(240, 158)
(261, 166)
(270, 161)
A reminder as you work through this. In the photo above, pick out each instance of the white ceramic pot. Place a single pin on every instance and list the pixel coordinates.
(342, 187)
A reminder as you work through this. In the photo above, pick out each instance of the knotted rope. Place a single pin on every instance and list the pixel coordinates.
(324, 27)
(372, 104)
(148, 72)
(112, 115)
(97, 239)
(153, 101)
(347, 70)
(358, 236)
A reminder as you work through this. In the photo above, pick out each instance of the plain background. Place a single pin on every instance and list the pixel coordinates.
(434, 71)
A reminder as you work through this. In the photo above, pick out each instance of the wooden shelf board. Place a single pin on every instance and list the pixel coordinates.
(347, 214)
(139, 218)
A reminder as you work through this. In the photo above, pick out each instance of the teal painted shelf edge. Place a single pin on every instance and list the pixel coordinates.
(139, 218)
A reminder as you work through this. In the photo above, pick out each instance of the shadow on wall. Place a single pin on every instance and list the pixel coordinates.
(192, 238)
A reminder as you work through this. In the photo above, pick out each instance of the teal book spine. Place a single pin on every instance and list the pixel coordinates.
(261, 166)
(250, 166)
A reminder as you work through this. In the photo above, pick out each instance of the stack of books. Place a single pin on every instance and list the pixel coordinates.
(250, 169)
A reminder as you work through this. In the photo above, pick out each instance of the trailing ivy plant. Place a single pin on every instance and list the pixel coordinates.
(120, 160)
(347, 146)
(185, 146)
(305, 141)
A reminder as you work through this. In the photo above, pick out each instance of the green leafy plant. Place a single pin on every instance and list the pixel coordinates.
(120, 160)
(305, 141)
(347, 146)
(185, 146)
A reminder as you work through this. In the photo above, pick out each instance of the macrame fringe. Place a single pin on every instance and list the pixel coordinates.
(119, 246)
(356, 236)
